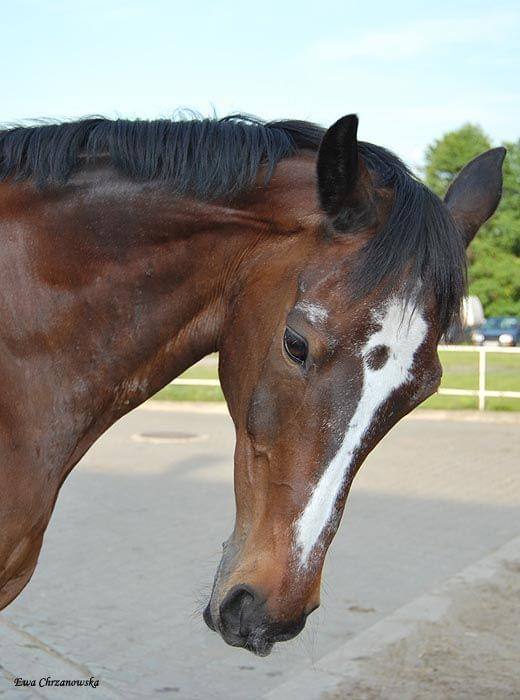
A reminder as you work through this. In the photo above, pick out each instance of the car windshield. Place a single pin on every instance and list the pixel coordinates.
(501, 323)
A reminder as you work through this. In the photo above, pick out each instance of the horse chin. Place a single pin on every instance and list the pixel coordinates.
(257, 642)
(263, 648)
(261, 641)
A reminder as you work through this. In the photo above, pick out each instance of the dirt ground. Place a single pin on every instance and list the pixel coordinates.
(471, 654)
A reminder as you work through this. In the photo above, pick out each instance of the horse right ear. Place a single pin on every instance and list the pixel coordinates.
(475, 193)
(340, 173)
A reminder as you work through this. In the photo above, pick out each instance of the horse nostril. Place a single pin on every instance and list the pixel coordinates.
(236, 609)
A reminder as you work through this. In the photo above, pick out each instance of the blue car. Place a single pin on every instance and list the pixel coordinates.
(498, 330)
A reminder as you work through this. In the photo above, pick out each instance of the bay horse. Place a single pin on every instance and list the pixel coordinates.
(321, 270)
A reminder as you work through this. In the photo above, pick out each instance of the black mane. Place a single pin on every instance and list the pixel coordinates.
(207, 158)
(219, 158)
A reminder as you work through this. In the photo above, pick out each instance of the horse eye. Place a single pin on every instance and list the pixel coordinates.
(295, 346)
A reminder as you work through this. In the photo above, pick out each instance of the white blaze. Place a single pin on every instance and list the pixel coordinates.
(403, 330)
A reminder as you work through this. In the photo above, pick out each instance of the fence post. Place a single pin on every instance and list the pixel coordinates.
(481, 379)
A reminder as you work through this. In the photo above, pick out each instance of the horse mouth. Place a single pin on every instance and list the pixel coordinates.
(256, 643)
(260, 640)
(262, 650)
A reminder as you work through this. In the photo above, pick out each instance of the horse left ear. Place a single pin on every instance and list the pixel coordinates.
(475, 193)
(340, 174)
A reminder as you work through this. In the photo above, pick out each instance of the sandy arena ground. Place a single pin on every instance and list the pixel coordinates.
(471, 653)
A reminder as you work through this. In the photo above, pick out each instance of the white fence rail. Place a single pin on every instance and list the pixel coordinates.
(482, 393)
(195, 382)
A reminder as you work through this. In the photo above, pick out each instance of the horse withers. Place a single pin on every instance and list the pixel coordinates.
(321, 270)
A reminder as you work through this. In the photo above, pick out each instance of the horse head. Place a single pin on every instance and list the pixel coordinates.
(323, 352)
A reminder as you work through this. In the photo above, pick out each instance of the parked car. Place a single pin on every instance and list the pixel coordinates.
(472, 318)
(498, 330)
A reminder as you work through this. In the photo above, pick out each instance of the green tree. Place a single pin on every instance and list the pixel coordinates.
(494, 271)
(494, 276)
(505, 225)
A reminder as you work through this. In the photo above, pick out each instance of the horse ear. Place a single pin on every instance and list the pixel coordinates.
(475, 193)
(340, 171)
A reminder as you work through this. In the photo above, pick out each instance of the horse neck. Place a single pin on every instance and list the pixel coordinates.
(124, 286)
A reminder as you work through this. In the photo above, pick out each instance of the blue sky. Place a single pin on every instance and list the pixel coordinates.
(411, 70)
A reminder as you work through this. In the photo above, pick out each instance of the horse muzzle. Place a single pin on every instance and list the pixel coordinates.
(243, 621)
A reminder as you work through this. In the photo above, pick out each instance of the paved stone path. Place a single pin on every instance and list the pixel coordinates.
(130, 555)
